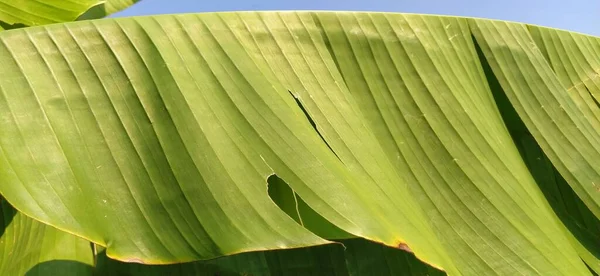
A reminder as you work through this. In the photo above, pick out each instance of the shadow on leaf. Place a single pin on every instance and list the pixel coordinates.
(60, 267)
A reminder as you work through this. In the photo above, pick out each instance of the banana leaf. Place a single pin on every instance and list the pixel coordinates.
(157, 137)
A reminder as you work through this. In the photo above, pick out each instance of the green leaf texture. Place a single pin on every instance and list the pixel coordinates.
(28, 247)
(157, 136)
(43, 12)
(582, 226)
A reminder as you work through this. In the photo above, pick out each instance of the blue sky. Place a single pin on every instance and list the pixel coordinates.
(575, 15)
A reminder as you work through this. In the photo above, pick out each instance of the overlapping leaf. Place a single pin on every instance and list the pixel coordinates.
(582, 226)
(552, 98)
(156, 136)
(28, 246)
(16, 13)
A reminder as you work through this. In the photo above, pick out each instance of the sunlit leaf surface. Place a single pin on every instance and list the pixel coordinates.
(159, 137)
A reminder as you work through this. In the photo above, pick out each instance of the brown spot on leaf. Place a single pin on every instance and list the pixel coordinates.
(404, 247)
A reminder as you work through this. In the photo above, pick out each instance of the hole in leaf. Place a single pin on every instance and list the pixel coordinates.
(291, 203)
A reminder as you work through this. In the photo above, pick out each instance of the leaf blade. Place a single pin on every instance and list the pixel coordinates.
(171, 125)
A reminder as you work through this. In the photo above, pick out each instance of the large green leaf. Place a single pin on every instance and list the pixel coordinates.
(28, 247)
(14, 13)
(155, 137)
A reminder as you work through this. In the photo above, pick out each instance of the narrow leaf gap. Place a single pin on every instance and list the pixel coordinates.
(592, 96)
(591, 270)
(312, 123)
